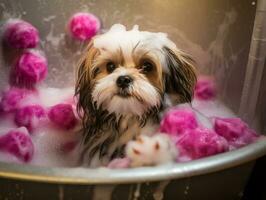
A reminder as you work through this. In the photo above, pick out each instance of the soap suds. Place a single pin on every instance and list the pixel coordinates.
(111, 41)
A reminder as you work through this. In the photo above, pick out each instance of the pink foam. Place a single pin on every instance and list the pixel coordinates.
(62, 116)
(30, 116)
(18, 143)
(177, 121)
(205, 88)
(235, 131)
(83, 26)
(29, 69)
(11, 99)
(119, 163)
(201, 142)
(20, 34)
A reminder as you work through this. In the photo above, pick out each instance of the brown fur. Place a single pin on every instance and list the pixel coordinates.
(181, 79)
(103, 130)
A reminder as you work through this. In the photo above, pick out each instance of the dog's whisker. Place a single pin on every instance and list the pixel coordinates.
(113, 111)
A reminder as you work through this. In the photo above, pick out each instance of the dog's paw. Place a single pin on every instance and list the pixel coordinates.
(154, 150)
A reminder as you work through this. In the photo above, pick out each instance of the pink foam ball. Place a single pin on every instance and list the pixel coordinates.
(11, 99)
(30, 116)
(83, 26)
(18, 143)
(201, 142)
(62, 116)
(20, 34)
(177, 121)
(29, 69)
(119, 163)
(205, 88)
(235, 131)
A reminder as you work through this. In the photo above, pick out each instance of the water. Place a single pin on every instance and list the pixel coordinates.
(53, 146)
(51, 143)
(64, 53)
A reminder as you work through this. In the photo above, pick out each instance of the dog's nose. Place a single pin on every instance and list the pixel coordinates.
(124, 81)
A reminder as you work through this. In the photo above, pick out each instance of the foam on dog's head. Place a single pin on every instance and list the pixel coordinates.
(120, 38)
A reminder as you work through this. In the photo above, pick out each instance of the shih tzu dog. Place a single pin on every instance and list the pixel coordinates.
(122, 81)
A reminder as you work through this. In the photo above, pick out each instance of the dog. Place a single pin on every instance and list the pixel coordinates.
(122, 82)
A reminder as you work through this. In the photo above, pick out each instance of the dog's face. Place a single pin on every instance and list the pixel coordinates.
(128, 72)
(126, 84)
(122, 80)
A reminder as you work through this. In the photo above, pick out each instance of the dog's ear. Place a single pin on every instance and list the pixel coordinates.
(83, 85)
(179, 76)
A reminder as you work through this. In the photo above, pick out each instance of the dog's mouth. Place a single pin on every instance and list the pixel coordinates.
(124, 93)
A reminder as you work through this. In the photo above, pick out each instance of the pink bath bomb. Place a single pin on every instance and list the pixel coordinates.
(62, 116)
(11, 99)
(205, 88)
(119, 163)
(30, 116)
(29, 69)
(20, 34)
(177, 121)
(201, 142)
(18, 143)
(83, 26)
(235, 131)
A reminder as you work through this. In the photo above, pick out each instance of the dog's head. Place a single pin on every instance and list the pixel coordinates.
(128, 72)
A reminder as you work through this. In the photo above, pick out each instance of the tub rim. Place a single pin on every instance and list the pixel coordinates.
(80, 175)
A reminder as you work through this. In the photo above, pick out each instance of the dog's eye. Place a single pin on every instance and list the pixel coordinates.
(110, 67)
(146, 66)
(95, 71)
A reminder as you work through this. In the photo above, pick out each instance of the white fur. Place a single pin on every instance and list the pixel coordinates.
(119, 105)
(148, 154)
(142, 94)
(119, 38)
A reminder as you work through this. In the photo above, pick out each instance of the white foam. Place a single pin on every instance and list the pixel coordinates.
(213, 108)
(53, 96)
(120, 38)
(48, 140)
(48, 143)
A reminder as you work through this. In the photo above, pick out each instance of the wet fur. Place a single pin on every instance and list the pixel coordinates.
(103, 132)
